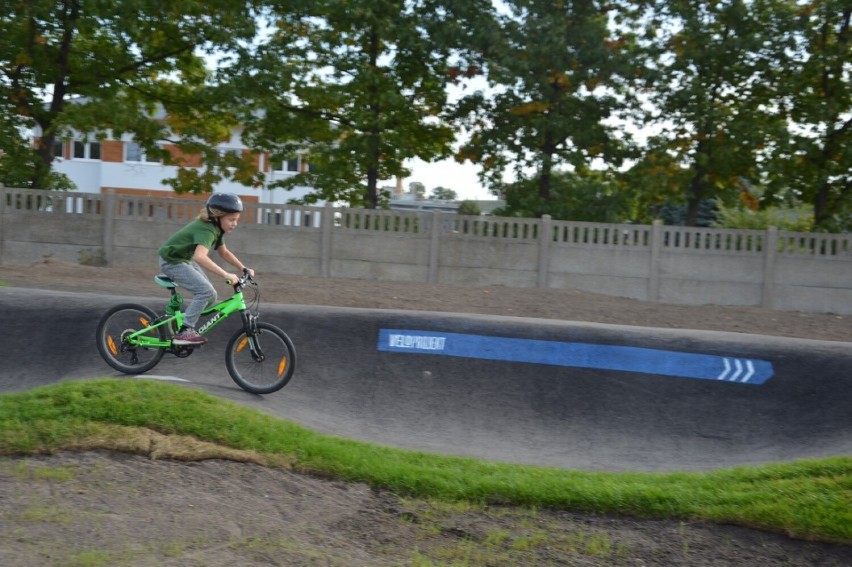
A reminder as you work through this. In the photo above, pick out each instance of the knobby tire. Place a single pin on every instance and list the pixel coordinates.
(117, 323)
(269, 375)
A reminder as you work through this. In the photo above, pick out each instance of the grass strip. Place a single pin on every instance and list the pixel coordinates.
(807, 499)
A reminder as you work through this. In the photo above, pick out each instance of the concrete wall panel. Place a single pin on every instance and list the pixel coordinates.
(806, 272)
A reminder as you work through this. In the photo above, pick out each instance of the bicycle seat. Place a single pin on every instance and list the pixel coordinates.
(165, 281)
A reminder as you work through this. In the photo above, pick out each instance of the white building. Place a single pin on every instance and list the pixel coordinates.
(122, 166)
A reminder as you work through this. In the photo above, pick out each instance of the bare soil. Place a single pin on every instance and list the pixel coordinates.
(147, 507)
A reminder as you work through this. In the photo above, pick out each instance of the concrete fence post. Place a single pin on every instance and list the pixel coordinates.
(29, 229)
(434, 246)
(770, 256)
(545, 235)
(325, 240)
(108, 225)
(654, 268)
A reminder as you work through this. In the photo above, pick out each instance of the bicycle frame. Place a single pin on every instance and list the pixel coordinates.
(220, 312)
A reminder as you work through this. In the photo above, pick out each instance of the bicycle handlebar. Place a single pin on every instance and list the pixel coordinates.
(241, 281)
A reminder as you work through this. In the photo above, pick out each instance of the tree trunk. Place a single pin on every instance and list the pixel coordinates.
(545, 177)
(374, 140)
(696, 194)
(698, 184)
(39, 179)
(44, 151)
(823, 205)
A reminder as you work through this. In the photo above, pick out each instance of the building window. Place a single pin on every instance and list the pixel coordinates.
(229, 155)
(135, 153)
(291, 165)
(87, 150)
(58, 149)
(226, 152)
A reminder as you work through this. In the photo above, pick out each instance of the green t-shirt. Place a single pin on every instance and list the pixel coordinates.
(180, 247)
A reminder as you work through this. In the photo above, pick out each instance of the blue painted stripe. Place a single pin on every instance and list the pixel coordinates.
(581, 355)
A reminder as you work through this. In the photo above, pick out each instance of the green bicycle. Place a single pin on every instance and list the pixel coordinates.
(260, 357)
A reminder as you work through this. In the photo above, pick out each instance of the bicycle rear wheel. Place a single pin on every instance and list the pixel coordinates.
(261, 374)
(111, 337)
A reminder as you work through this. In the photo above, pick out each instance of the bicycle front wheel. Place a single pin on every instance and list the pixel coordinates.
(263, 362)
(113, 330)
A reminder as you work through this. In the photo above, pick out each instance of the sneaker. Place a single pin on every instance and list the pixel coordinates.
(188, 337)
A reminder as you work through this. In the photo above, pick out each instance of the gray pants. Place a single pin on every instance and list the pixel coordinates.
(192, 278)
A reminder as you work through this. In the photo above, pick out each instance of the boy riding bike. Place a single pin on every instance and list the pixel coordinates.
(186, 252)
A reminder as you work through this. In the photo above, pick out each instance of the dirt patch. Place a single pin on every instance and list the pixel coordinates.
(564, 304)
(110, 508)
(98, 508)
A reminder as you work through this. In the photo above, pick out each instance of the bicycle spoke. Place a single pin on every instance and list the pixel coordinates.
(257, 370)
(118, 349)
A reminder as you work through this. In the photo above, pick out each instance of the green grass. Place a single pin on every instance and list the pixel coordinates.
(808, 499)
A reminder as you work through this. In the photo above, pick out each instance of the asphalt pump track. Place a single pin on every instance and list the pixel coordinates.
(533, 391)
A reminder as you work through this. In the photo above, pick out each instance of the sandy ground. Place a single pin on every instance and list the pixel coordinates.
(97, 508)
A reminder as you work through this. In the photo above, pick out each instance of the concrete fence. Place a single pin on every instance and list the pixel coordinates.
(774, 269)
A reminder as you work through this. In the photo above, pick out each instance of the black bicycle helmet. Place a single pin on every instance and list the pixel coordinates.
(219, 204)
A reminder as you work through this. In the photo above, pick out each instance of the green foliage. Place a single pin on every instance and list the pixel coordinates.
(586, 195)
(652, 183)
(812, 157)
(675, 214)
(728, 93)
(714, 66)
(794, 219)
(470, 208)
(557, 72)
(417, 189)
(90, 68)
(18, 160)
(754, 92)
(444, 194)
(359, 86)
(839, 222)
(807, 499)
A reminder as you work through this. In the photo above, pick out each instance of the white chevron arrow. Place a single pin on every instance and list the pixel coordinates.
(737, 370)
(750, 372)
(727, 369)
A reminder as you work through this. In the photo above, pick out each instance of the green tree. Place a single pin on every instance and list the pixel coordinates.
(18, 161)
(417, 189)
(360, 85)
(124, 66)
(795, 219)
(585, 195)
(716, 75)
(470, 208)
(558, 72)
(444, 194)
(653, 182)
(813, 157)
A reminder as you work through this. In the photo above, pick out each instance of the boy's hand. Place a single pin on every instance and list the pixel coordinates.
(231, 279)
(250, 272)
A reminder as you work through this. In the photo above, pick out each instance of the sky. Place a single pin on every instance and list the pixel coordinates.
(450, 174)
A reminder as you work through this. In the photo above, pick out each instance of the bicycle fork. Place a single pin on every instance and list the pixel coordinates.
(251, 340)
